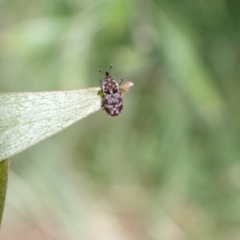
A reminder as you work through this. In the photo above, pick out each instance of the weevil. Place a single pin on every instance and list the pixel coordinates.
(112, 101)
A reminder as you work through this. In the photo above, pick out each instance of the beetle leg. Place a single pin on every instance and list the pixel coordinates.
(120, 81)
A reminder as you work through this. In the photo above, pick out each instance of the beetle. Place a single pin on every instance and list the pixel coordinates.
(112, 101)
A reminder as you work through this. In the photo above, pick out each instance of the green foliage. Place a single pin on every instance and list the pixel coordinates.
(168, 166)
(27, 118)
(3, 184)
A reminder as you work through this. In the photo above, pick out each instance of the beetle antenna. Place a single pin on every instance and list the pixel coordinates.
(106, 73)
(111, 66)
(101, 71)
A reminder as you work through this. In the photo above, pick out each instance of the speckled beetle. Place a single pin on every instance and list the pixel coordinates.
(112, 101)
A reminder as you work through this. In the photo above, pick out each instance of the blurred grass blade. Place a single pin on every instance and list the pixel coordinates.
(3, 184)
(190, 72)
(27, 118)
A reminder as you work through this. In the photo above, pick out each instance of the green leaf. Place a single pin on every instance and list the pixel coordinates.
(3, 184)
(27, 118)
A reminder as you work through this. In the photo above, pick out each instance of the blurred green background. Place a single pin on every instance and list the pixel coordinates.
(168, 167)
